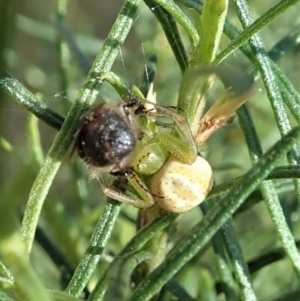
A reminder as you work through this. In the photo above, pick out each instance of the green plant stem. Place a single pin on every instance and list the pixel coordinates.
(115, 39)
(5, 273)
(288, 42)
(170, 29)
(268, 258)
(192, 96)
(148, 74)
(289, 94)
(189, 246)
(52, 163)
(281, 172)
(213, 18)
(136, 243)
(63, 52)
(223, 267)
(177, 290)
(239, 264)
(64, 58)
(260, 262)
(267, 188)
(34, 141)
(93, 253)
(16, 91)
(63, 140)
(195, 4)
(255, 27)
(182, 19)
(120, 273)
(287, 90)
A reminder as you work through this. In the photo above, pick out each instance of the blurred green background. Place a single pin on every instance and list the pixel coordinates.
(74, 202)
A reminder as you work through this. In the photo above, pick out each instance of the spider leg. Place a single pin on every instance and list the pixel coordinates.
(114, 193)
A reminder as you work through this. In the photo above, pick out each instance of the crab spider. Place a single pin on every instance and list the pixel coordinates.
(161, 167)
(110, 140)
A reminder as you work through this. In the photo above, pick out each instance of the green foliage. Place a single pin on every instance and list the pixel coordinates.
(81, 245)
